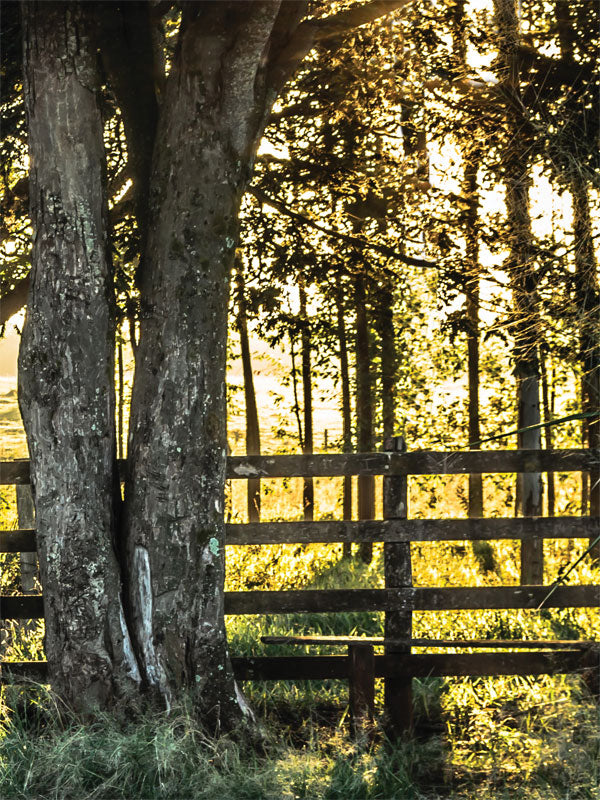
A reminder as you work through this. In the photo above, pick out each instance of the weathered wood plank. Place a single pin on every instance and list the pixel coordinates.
(13, 672)
(420, 462)
(417, 666)
(411, 530)
(519, 644)
(420, 598)
(21, 541)
(336, 667)
(21, 607)
(361, 677)
(423, 462)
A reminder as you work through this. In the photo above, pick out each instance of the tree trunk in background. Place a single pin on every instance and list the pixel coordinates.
(523, 281)
(252, 424)
(308, 496)
(174, 527)
(364, 409)
(385, 324)
(346, 410)
(483, 550)
(587, 294)
(67, 397)
(548, 414)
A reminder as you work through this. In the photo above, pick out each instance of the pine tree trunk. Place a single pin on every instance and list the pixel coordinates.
(252, 425)
(308, 492)
(346, 410)
(548, 412)
(588, 301)
(523, 280)
(364, 409)
(66, 394)
(385, 324)
(174, 525)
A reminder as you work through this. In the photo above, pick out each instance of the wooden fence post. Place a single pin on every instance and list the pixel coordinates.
(362, 688)
(398, 623)
(26, 517)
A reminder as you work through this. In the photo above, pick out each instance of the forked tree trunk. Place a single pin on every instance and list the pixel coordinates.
(346, 410)
(308, 495)
(174, 528)
(523, 280)
(66, 364)
(364, 409)
(252, 425)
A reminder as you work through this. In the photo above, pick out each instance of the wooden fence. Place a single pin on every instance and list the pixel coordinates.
(399, 599)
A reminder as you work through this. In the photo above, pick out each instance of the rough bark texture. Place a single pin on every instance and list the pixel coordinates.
(66, 371)
(526, 324)
(252, 426)
(364, 409)
(174, 536)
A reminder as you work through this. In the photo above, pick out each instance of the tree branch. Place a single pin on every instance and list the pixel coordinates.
(354, 241)
(314, 31)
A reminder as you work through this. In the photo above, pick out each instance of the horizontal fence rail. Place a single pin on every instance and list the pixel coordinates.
(307, 601)
(425, 665)
(418, 462)
(403, 530)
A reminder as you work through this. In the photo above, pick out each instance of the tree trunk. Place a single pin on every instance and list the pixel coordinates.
(364, 409)
(548, 413)
(385, 323)
(346, 410)
(587, 294)
(174, 527)
(308, 492)
(523, 280)
(67, 396)
(252, 425)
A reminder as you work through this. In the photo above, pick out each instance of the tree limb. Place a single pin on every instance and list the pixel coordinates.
(14, 300)
(326, 29)
(354, 241)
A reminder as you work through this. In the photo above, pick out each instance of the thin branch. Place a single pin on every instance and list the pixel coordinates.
(354, 241)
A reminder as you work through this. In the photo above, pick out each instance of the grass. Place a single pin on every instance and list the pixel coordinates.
(493, 738)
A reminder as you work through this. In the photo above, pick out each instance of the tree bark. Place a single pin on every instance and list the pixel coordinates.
(346, 409)
(548, 405)
(523, 280)
(252, 424)
(385, 323)
(364, 409)
(587, 295)
(174, 527)
(66, 363)
(308, 494)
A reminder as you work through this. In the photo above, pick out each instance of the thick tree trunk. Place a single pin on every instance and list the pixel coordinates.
(308, 494)
(364, 409)
(523, 279)
(346, 410)
(252, 425)
(66, 363)
(174, 534)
